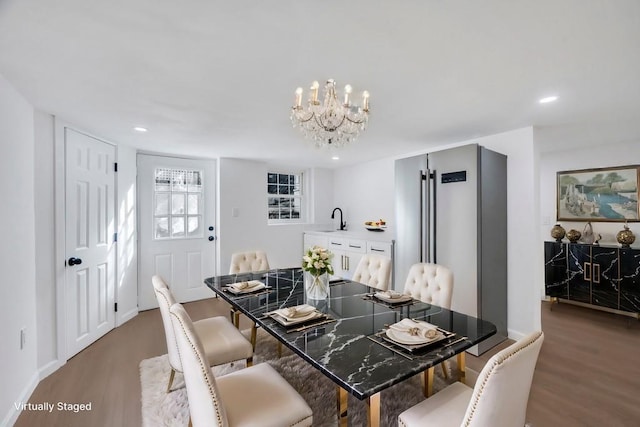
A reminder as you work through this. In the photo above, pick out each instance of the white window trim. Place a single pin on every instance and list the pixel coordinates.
(304, 197)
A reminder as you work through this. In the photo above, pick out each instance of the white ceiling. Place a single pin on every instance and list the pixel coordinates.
(217, 78)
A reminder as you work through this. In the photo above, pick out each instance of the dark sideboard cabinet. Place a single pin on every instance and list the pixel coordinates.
(604, 277)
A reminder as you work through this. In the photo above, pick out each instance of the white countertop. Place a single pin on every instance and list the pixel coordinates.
(364, 234)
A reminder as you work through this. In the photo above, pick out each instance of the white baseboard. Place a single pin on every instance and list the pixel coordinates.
(14, 413)
(49, 369)
(515, 335)
(121, 320)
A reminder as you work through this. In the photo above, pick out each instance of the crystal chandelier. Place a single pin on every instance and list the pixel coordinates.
(331, 123)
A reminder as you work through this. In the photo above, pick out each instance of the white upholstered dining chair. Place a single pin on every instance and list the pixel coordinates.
(430, 283)
(255, 396)
(245, 262)
(499, 398)
(222, 342)
(373, 270)
(433, 284)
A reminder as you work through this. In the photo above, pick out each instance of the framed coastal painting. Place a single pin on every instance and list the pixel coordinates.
(604, 194)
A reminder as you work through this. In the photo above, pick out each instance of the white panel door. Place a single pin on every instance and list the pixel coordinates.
(176, 208)
(89, 240)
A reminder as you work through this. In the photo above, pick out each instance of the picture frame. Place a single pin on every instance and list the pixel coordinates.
(598, 195)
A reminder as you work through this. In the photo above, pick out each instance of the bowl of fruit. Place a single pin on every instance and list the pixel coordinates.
(379, 225)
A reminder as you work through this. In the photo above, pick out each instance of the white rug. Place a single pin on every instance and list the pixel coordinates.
(172, 409)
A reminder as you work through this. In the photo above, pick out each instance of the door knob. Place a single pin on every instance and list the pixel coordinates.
(211, 238)
(74, 261)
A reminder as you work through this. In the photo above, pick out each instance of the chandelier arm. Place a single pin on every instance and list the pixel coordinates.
(327, 129)
(356, 122)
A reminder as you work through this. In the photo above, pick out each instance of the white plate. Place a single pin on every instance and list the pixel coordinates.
(383, 297)
(246, 290)
(375, 227)
(408, 339)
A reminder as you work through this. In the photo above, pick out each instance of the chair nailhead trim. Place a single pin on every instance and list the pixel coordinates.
(497, 362)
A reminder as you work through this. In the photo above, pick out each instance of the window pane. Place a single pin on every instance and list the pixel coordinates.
(161, 228)
(177, 204)
(273, 202)
(162, 204)
(272, 178)
(194, 205)
(194, 229)
(295, 189)
(177, 226)
(295, 208)
(179, 181)
(283, 189)
(272, 189)
(194, 181)
(163, 179)
(283, 179)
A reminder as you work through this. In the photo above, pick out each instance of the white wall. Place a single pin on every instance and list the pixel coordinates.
(127, 280)
(18, 369)
(366, 191)
(45, 249)
(524, 255)
(242, 186)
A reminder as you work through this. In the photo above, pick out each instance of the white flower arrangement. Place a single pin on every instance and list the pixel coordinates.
(317, 261)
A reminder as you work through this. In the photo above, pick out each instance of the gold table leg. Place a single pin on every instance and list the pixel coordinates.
(341, 401)
(462, 369)
(427, 382)
(373, 410)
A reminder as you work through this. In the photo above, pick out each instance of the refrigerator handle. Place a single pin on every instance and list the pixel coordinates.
(425, 211)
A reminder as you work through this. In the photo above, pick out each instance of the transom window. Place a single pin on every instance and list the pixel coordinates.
(177, 204)
(284, 197)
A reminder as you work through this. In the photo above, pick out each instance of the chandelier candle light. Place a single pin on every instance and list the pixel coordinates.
(332, 123)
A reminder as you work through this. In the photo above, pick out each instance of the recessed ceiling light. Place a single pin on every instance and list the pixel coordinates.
(335, 158)
(140, 129)
(548, 99)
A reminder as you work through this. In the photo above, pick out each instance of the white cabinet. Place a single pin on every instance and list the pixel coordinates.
(346, 255)
(348, 250)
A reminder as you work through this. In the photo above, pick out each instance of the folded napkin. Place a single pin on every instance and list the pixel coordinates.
(241, 286)
(292, 313)
(415, 328)
(391, 294)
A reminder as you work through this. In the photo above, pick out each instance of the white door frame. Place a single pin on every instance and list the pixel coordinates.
(60, 233)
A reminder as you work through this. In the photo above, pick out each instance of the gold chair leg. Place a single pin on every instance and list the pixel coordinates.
(236, 319)
(190, 425)
(254, 332)
(173, 374)
(249, 361)
(445, 371)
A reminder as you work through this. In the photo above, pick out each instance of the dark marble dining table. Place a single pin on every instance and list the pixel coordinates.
(344, 346)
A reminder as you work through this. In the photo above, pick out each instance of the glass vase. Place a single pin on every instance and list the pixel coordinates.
(316, 286)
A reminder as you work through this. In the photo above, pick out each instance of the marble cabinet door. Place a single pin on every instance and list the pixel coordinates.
(555, 269)
(630, 280)
(579, 270)
(604, 277)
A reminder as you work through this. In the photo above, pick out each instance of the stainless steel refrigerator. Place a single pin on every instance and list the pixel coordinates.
(451, 209)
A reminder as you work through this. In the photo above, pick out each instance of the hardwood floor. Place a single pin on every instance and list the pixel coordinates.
(587, 373)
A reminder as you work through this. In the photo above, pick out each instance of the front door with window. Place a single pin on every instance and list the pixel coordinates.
(176, 207)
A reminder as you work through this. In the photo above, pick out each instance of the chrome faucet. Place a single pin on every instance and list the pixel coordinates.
(343, 225)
